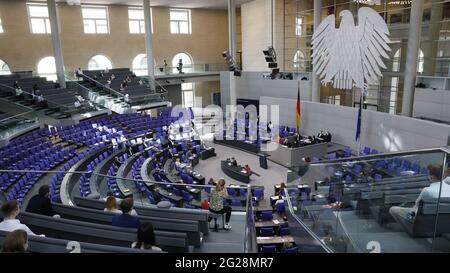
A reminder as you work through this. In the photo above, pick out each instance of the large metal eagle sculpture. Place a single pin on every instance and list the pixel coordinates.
(351, 56)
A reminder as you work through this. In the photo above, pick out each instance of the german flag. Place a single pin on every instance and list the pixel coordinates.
(298, 109)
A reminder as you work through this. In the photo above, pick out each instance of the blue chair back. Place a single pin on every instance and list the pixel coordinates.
(266, 231)
(231, 191)
(284, 231)
(280, 207)
(266, 215)
(269, 249)
(290, 250)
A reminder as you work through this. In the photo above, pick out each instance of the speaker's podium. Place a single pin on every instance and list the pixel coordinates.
(263, 160)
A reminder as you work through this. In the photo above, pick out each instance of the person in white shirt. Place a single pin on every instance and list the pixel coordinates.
(77, 104)
(10, 211)
(428, 194)
(80, 98)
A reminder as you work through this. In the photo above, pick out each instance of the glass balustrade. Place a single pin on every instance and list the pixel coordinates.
(380, 203)
(13, 124)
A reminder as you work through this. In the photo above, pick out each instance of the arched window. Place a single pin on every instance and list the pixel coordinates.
(398, 57)
(47, 68)
(299, 60)
(140, 65)
(99, 62)
(4, 68)
(185, 59)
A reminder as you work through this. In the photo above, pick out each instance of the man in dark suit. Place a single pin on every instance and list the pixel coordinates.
(125, 219)
(41, 203)
(233, 162)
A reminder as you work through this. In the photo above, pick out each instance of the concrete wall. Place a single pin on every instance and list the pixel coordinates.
(174, 93)
(381, 131)
(432, 104)
(22, 50)
(252, 85)
(204, 90)
(256, 33)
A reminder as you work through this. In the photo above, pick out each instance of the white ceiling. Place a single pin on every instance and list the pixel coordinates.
(192, 4)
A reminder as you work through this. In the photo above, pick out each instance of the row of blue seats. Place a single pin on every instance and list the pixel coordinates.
(112, 183)
(45, 164)
(55, 185)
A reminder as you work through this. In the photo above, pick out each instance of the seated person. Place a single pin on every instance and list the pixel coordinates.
(10, 211)
(280, 140)
(19, 92)
(321, 135)
(190, 155)
(247, 169)
(117, 162)
(179, 165)
(211, 181)
(126, 219)
(287, 245)
(15, 242)
(430, 193)
(233, 162)
(41, 203)
(35, 88)
(111, 205)
(145, 238)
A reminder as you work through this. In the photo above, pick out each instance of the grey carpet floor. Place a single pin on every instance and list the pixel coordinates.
(274, 175)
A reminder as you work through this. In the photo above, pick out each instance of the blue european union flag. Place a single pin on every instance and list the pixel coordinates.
(358, 126)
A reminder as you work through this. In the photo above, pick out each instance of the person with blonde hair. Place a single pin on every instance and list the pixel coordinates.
(216, 205)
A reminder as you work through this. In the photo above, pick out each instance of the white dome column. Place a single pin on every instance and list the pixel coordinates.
(315, 90)
(149, 44)
(415, 29)
(56, 42)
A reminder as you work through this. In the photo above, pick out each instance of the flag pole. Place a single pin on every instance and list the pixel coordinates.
(362, 108)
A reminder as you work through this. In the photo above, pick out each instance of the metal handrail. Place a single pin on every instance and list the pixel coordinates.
(445, 150)
(103, 86)
(32, 95)
(379, 156)
(126, 179)
(247, 213)
(162, 87)
(15, 116)
(308, 230)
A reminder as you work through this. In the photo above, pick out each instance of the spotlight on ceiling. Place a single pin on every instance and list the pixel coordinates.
(271, 59)
(232, 65)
